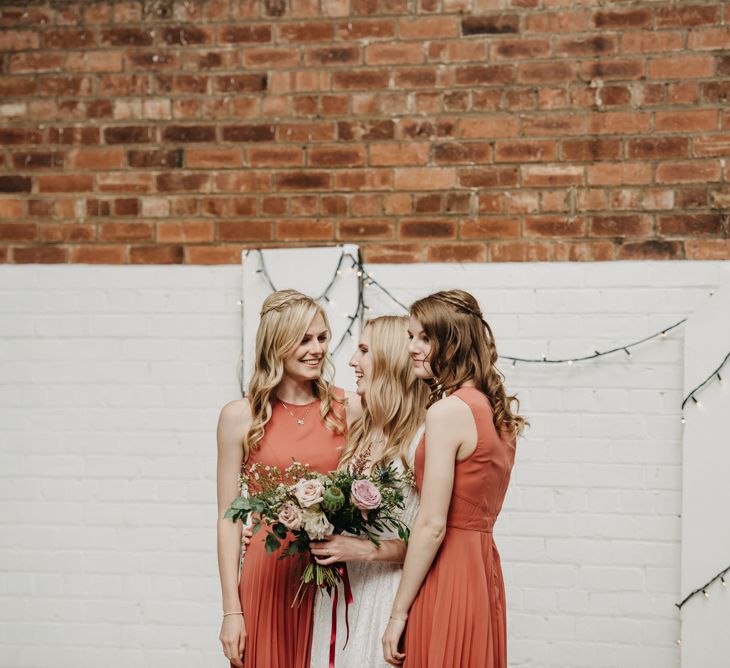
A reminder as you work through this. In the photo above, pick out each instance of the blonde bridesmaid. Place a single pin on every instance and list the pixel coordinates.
(451, 599)
(291, 412)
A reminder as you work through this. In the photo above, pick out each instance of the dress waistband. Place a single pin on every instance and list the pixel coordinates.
(480, 524)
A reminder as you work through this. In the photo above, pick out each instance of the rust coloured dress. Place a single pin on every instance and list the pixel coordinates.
(277, 634)
(458, 619)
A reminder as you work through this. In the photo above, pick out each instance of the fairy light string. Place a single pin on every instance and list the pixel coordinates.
(366, 279)
(703, 589)
(715, 375)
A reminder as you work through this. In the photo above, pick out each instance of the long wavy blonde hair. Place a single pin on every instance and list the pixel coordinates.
(285, 317)
(395, 401)
(462, 349)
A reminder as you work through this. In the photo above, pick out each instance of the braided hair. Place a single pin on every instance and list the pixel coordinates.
(463, 349)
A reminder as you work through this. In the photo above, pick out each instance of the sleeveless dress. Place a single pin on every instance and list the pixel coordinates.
(458, 619)
(277, 634)
(374, 585)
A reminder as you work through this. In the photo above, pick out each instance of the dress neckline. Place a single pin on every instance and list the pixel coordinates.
(289, 403)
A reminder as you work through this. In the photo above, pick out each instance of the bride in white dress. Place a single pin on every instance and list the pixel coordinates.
(394, 409)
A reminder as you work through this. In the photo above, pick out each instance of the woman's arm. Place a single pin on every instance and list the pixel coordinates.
(234, 420)
(333, 549)
(445, 432)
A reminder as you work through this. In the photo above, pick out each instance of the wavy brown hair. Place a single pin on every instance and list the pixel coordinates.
(395, 401)
(285, 317)
(463, 349)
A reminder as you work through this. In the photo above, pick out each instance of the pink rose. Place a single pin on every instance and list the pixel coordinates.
(365, 495)
(291, 516)
(309, 492)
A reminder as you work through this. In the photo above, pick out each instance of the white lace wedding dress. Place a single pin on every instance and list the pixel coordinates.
(374, 585)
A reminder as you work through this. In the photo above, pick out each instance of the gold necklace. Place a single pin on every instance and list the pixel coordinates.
(300, 420)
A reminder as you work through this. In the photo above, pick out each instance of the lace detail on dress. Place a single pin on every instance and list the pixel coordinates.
(374, 586)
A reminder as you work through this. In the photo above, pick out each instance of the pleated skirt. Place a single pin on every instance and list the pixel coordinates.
(458, 619)
(278, 635)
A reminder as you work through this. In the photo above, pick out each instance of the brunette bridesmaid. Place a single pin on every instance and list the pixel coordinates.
(451, 599)
(291, 413)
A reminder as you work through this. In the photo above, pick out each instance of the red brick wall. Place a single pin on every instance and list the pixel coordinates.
(182, 131)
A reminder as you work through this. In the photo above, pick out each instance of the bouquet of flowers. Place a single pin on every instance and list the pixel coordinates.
(298, 505)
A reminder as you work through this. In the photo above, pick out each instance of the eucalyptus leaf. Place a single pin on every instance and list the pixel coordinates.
(271, 544)
(279, 530)
(241, 503)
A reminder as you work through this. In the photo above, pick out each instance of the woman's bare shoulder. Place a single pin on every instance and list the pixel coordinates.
(447, 408)
(235, 415)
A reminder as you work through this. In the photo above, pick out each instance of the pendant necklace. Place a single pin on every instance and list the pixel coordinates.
(300, 420)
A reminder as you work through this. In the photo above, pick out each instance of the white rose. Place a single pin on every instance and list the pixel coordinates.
(309, 492)
(317, 525)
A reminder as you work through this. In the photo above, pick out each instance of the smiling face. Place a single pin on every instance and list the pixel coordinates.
(362, 362)
(305, 362)
(419, 348)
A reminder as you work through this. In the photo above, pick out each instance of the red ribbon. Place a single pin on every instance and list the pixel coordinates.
(342, 572)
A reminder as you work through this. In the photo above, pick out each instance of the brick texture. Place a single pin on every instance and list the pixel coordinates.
(180, 131)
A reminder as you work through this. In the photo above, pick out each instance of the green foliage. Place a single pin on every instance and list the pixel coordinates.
(271, 544)
(280, 531)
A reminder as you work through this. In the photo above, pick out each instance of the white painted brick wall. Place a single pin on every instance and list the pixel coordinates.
(111, 379)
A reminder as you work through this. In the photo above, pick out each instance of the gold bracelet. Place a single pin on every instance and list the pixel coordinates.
(399, 619)
(225, 614)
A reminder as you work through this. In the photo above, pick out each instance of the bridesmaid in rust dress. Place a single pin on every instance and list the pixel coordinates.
(451, 600)
(291, 412)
